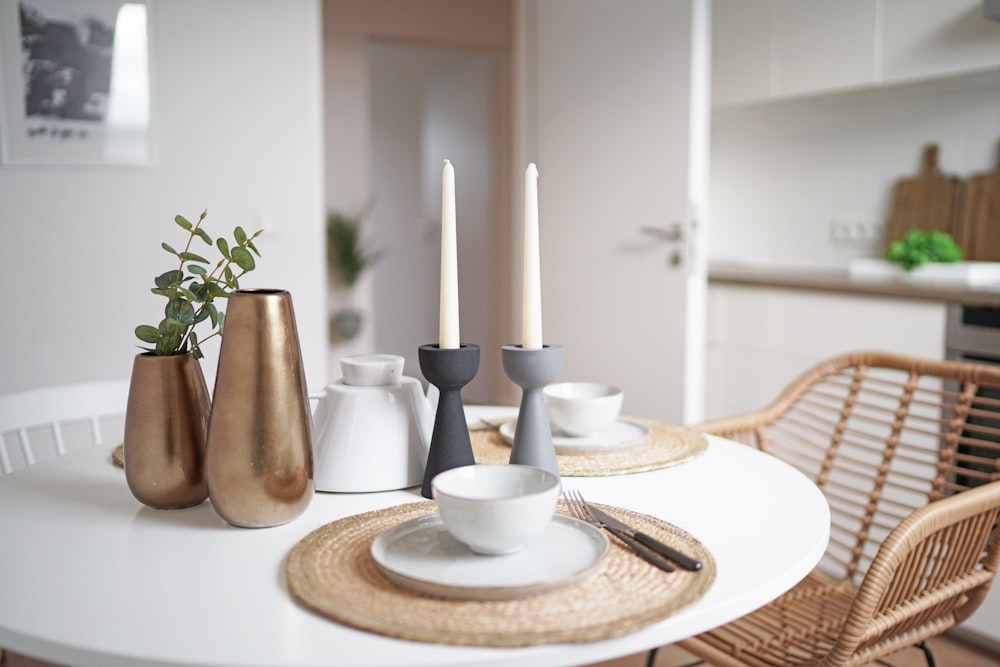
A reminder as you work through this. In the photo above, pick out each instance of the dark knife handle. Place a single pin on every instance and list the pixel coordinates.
(638, 548)
(683, 560)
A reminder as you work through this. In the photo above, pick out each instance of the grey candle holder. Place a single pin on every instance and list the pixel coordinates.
(449, 370)
(531, 370)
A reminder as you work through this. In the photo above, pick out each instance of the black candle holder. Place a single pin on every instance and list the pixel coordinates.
(531, 370)
(449, 370)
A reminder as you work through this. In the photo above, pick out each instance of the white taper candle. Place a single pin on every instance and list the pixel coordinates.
(531, 305)
(448, 329)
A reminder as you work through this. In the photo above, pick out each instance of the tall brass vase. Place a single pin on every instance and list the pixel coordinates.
(259, 460)
(166, 424)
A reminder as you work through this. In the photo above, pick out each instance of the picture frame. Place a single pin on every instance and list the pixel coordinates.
(75, 82)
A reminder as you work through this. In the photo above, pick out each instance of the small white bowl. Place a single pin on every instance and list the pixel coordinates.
(496, 509)
(582, 408)
(372, 370)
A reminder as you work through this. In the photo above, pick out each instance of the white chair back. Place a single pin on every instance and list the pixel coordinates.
(52, 420)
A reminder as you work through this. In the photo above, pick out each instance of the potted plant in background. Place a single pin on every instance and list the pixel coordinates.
(166, 418)
(348, 259)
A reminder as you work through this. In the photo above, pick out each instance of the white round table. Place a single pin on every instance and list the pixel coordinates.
(88, 576)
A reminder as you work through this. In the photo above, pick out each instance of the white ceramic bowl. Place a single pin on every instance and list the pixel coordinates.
(496, 509)
(372, 370)
(582, 408)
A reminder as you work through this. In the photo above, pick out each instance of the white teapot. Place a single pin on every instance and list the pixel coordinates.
(372, 428)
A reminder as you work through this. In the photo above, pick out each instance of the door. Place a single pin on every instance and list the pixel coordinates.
(431, 103)
(616, 114)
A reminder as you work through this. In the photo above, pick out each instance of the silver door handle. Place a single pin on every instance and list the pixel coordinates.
(672, 232)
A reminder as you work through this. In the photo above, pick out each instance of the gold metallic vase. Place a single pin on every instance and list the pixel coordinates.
(166, 424)
(259, 460)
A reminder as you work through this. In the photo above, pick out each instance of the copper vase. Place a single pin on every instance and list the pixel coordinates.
(259, 461)
(166, 424)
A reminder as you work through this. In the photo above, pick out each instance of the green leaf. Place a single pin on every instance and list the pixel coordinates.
(147, 333)
(198, 269)
(162, 292)
(222, 321)
(253, 247)
(200, 291)
(170, 279)
(195, 348)
(213, 313)
(183, 222)
(240, 235)
(201, 316)
(216, 291)
(223, 247)
(171, 334)
(189, 295)
(180, 310)
(203, 235)
(243, 259)
(166, 246)
(192, 257)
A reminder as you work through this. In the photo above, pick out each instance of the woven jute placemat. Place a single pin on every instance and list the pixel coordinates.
(331, 571)
(667, 445)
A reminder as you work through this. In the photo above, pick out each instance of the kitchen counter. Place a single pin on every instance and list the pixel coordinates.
(838, 280)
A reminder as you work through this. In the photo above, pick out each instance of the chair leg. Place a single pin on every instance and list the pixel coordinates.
(927, 654)
(651, 658)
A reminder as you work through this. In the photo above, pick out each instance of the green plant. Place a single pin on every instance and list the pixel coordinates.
(343, 247)
(918, 247)
(191, 289)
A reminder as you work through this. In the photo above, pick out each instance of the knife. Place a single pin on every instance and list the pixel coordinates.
(668, 551)
(648, 554)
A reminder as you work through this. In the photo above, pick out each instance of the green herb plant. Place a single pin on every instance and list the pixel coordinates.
(919, 247)
(343, 247)
(191, 289)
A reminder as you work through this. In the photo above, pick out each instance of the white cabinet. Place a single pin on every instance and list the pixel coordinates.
(761, 338)
(821, 45)
(741, 50)
(774, 49)
(927, 38)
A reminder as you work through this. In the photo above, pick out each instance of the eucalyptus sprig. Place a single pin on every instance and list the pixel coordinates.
(191, 289)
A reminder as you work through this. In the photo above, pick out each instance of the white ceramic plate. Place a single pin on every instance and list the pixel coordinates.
(422, 556)
(623, 434)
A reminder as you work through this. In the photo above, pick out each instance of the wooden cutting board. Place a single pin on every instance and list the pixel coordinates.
(978, 231)
(926, 202)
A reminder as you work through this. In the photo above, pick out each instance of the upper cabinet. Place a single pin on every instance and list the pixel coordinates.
(774, 49)
(933, 38)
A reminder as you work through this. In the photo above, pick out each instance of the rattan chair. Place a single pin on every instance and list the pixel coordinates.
(40, 423)
(896, 444)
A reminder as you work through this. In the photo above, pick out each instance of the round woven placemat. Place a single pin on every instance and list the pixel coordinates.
(332, 572)
(667, 445)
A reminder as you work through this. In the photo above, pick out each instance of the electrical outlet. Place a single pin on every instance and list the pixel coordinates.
(840, 231)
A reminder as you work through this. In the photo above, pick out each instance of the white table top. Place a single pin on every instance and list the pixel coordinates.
(89, 576)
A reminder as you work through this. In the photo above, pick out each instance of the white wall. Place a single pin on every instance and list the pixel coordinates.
(782, 172)
(237, 119)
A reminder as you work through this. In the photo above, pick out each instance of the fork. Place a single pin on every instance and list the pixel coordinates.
(578, 508)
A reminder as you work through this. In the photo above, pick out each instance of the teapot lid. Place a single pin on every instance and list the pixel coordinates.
(372, 370)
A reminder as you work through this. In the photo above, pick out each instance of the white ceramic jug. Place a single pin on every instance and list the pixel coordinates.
(372, 428)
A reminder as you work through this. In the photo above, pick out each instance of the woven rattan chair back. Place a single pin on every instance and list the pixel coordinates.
(50, 421)
(895, 443)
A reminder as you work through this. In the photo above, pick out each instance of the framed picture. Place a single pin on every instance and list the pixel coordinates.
(75, 82)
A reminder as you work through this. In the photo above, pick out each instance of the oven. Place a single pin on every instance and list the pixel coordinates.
(973, 334)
